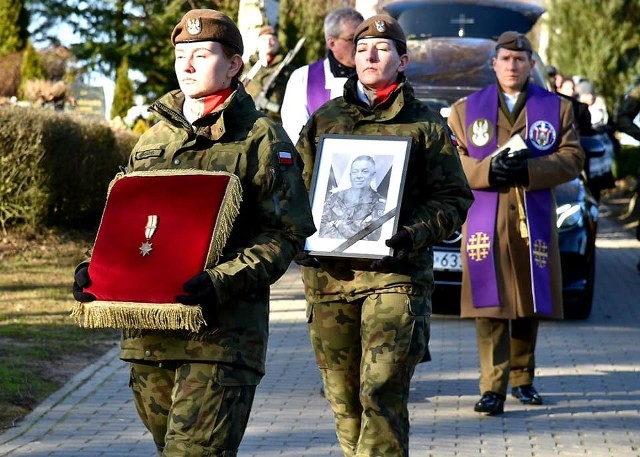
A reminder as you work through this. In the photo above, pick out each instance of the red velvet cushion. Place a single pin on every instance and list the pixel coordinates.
(187, 207)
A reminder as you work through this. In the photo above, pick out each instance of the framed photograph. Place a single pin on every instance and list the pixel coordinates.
(356, 193)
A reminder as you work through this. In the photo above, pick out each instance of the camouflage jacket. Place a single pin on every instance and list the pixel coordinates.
(434, 202)
(342, 218)
(273, 222)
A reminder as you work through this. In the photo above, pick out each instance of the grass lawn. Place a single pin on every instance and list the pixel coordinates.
(41, 347)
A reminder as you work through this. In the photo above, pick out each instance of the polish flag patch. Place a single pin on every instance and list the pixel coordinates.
(285, 158)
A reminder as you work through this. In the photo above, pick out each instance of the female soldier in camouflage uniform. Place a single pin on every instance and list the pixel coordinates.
(369, 322)
(194, 391)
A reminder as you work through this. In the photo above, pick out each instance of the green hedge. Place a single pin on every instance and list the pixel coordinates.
(55, 167)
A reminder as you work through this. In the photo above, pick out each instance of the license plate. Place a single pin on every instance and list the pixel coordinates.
(447, 261)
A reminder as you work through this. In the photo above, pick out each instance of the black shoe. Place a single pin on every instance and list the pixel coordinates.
(490, 403)
(527, 395)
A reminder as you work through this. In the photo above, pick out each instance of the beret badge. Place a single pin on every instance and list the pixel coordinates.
(381, 26)
(194, 26)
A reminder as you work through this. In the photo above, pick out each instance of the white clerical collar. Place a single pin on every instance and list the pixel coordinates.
(510, 100)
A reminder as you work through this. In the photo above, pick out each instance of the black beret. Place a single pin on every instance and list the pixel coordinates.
(207, 25)
(514, 41)
(380, 26)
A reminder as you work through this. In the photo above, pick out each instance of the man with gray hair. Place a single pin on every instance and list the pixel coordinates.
(312, 85)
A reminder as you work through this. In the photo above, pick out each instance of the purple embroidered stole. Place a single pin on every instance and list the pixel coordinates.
(317, 94)
(543, 121)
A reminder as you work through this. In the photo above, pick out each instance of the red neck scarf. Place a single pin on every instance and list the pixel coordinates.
(383, 94)
(376, 97)
(211, 102)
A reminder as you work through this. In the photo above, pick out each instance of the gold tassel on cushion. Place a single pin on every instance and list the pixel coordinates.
(163, 316)
(226, 216)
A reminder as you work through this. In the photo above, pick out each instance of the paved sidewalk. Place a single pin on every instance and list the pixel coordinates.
(588, 372)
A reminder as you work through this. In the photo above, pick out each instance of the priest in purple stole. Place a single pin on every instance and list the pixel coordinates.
(310, 86)
(511, 260)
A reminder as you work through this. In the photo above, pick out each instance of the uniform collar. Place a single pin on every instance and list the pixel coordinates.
(169, 107)
(337, 69)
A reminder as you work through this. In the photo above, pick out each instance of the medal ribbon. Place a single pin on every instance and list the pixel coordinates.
(152, 225)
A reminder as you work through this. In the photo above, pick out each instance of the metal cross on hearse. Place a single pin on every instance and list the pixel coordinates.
(461, 22)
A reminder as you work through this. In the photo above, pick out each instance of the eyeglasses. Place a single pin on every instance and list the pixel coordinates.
(348, 39)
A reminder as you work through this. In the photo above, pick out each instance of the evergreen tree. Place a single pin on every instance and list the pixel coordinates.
(123, 92)
(14, 20)
(138, 29)
(228, 7)
(109, 30)
(31, 67)
(597, 40)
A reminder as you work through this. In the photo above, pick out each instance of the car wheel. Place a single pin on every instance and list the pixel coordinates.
(581, 306)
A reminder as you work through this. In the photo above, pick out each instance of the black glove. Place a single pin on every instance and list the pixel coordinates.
(200, 291)
(509, 168)
(498, 172)
(305, 260)
(401, 243)
(519, 172)
(81, 280)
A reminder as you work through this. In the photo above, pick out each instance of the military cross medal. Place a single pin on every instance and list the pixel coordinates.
(149, 230)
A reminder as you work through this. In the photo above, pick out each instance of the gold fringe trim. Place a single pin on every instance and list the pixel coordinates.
(229, 210)
(163, 316)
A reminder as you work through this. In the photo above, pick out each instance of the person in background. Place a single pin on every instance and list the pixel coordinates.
(369, 321)
(194, 390)
(627, 122)
(262, 67)
(586, 93)
(567, 90)
(555, 78)
(599, 169)
(629, 110)
(312, 85)
(511, 260)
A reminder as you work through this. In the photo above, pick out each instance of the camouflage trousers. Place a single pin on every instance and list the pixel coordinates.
(194, 409)
(367, 351)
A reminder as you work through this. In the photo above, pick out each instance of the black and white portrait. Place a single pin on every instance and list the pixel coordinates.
(355, 194)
